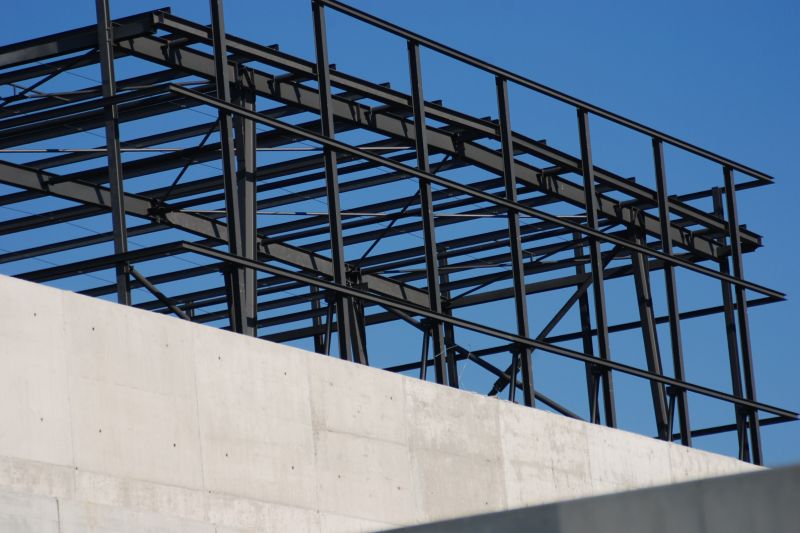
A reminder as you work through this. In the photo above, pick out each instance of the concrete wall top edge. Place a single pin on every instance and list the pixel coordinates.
(112, 405)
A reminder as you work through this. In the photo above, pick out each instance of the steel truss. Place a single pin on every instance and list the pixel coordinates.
(618, 229)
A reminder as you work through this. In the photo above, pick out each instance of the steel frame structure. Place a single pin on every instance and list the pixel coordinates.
(623, 229)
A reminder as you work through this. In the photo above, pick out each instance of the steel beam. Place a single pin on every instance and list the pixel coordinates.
(93, 195)
(538, 87)
(486, 330)
(467, 190)
(386, 123)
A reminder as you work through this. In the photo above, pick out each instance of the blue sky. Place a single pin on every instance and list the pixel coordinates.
(724, 75)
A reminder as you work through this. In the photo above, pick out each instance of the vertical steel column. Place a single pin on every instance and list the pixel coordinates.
(741, 313)
(246, 184)
(515, 244)
(344, 326)
(730, 334)
(358, 321)
(329, 311)
(232, 198)
(319, 338)
(423, 358)
(426, 208)
(586, 334)
(105, 44)
(672, 293)
(449, 330)
(597, 265)
(641, 276)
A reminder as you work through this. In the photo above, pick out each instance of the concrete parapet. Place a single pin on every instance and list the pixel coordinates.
(116, 418)
(746, 503)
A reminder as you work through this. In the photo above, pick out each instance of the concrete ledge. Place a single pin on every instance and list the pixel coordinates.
(110, 406)
(758, 501)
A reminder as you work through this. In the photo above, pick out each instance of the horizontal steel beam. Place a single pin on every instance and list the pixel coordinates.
(502, 202)
(542, 89)
(136, 205)
(368, 118)
(405, 306)
(72, 41)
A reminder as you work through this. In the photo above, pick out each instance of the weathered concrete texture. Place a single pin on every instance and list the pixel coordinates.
(756, 501)
(114, 417)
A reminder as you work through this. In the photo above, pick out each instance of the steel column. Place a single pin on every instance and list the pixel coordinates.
(580, 292)
(245, 142)
(672, 292)
(586, 334)
(329, 313)
(598, 289)
(641, 277)
(319, 340)
(522, 354)
(741, 312)
(105, 44)
(344, 327)
(449, 330)
(732, 342)
(423, 362)
(426, 208)
(233, 207)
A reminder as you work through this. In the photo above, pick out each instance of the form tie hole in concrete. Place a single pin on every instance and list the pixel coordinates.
(226, 455)
(174, 445)
(100, 430)
(41, 419)
(34, 314)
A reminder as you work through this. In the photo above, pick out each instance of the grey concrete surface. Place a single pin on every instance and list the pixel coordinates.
(766, 501)
(115, 418)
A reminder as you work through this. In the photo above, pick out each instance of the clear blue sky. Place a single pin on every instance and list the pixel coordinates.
(724, 75)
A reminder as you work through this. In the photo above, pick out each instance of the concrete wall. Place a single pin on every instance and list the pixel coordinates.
(115, 419)
(764, 501)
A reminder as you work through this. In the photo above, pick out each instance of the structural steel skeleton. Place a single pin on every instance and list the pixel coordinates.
(192, 66)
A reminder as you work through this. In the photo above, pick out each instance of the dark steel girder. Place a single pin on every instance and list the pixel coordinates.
(465, 189)
(294, 94)
(73, 41)
(483, 128)
(139, 206)
(517, 142)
